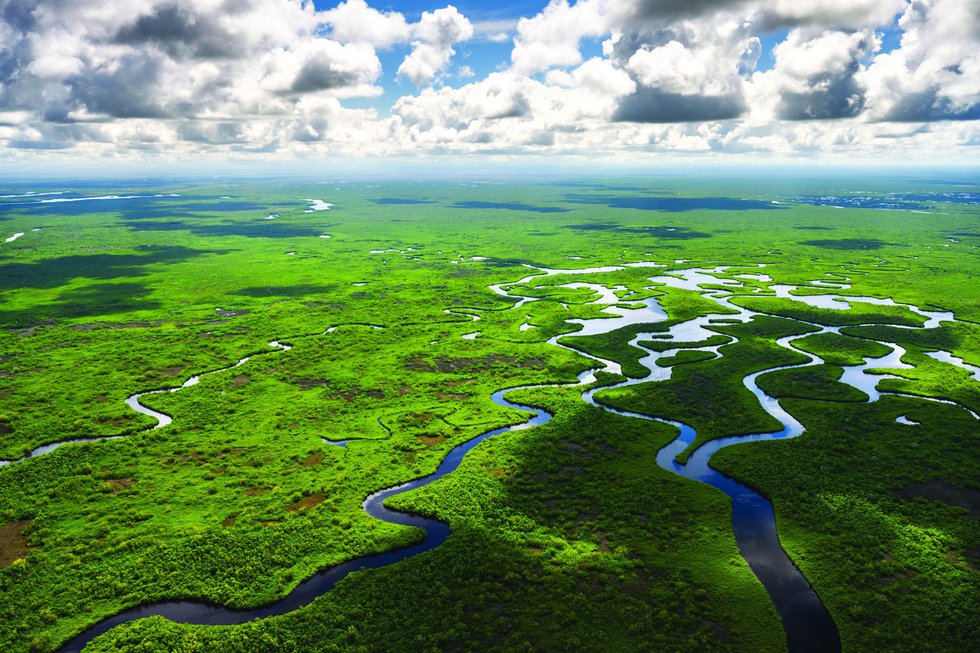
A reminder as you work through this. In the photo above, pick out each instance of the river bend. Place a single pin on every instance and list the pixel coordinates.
(808, 625)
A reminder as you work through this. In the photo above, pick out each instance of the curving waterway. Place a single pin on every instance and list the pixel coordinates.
(806, 621)
(436, 532)
(808, 625)
(133, 401)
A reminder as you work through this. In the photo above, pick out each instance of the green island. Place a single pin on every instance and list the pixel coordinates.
(202, 381)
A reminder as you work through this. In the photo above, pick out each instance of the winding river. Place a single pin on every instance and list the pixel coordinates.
(808, 625)
(436, 532)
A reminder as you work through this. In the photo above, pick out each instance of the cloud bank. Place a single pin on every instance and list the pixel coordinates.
(620, 78)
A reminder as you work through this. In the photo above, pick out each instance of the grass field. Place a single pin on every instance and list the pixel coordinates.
(566, 536)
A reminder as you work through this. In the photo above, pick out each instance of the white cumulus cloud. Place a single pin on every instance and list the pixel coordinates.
(264, 78)
(935, 74)
(552, 37)
(436, 34)
(355, 21)
(816, 76)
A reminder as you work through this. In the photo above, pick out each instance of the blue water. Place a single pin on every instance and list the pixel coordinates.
(508, 206)
(892, 201)
(133, 207)
(676, 204)
(436, 532)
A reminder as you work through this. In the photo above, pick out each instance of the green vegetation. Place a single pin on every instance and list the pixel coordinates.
(815, 382)
(710, 396)
(880, 517)
(836, 349)
(664, 345)
(680, 306)
(566, 536)
(686, 356)
(859, 313)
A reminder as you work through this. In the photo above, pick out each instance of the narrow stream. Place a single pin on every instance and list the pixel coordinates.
(806, 621)
(436, 532)
(808, 625)
(133, 401)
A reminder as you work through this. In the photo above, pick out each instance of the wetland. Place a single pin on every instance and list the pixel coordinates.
(682, 423)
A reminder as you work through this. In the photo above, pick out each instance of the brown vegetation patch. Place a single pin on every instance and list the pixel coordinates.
(307, 383)
(171, 371)
(412, 418)
(447, 365)
(13, 542)
(497, 473)
(119, 484)
(240, 380)
(450, 395)
(228, 523)
(115, 325)
(429, 440)
(608, 450)
(313, 460)
(255, 491)
(404, 390)
(307, 502)
(937, 490)
(115, 422)
(5, 427)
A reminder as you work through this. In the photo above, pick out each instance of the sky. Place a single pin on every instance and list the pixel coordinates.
(119, 82)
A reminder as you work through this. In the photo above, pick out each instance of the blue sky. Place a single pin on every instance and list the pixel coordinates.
(484, 56)
(603, 80)
(481, 55)
(475, 11)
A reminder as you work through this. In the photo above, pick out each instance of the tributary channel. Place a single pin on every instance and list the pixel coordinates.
(808, 625)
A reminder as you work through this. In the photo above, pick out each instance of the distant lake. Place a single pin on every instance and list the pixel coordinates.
(675, 204)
